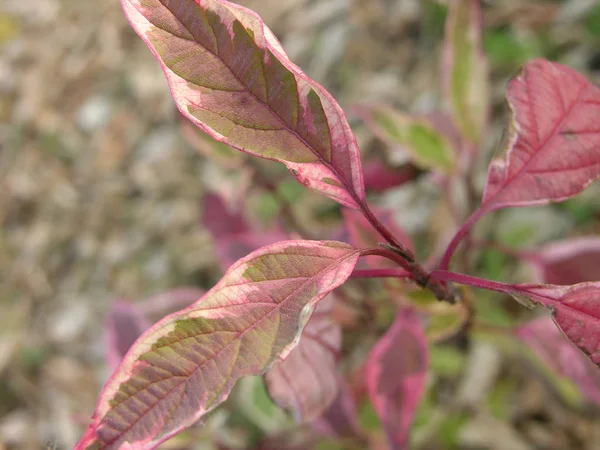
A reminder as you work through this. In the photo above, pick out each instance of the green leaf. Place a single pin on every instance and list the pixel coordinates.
(427, 146)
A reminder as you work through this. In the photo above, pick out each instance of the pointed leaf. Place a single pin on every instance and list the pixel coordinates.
(568, 262)
(554, 151)
(575, 309)
(229, 75)
(428, 148)
(124, 324)
(396, 376)
(551, 346)
(465, 69)
(306, 382)
(187, 363)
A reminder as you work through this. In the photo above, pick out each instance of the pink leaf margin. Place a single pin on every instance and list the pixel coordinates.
(343, 141)
(143, 344)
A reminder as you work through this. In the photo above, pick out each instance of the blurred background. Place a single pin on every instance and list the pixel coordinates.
(100, 194)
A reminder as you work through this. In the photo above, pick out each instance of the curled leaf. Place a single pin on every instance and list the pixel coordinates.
(554, 151)
(306, 382)
(187, 363)
(229, 75)
(396, 376)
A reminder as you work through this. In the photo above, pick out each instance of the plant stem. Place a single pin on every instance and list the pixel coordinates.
(380, 273)
(461, 233)
(416, 271)
(386, 234)
(444, 275)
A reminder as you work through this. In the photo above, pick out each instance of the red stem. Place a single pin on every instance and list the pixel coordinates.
(416, 271)
(381, 273)
(444, 275)
(385, 233)
(461, 233)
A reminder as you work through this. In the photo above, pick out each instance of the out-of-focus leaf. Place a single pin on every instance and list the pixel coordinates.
(124, 324)
(380, 178)
(428, 148)
(396, 375)
(187, 363)
(341, 418)
(219, 220)
(443, 319)
(230, 76)
(568, 262)
(306, 382)
(554, 350)
(554, 151)
(465, 69)
(234, 237)
(258, 407)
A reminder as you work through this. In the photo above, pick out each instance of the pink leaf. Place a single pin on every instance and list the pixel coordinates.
(219, 219)
(234, 237)
(187, 363)
(341, 418)
(124, 324)
(307, 381)
(396, 375)
(379, 178)
(568, 262)
(575, 309)
(554, 152)
(465, 69)
(229, 75)
(551, 346)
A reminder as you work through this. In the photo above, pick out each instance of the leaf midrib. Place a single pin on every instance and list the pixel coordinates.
(187, 377)
(283, 61)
